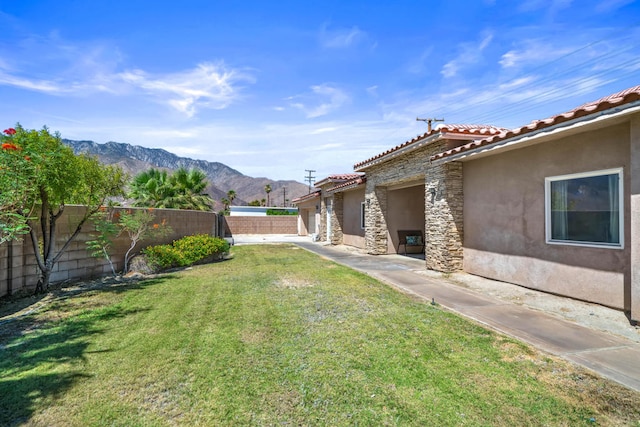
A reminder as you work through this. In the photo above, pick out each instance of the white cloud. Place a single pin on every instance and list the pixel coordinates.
(470, 53)
(340, 38)
(323, 130)
(206, 86)
(330, 98)
(51, 65)
(33, 85)
(612, 5)
(419, 64)
(533, 51)
(553, 5)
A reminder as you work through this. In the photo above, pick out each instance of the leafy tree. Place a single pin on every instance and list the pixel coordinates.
(267, 189)
(39, 177)
(255, 203)
(180, 190)
(106, 230)
(139, 225)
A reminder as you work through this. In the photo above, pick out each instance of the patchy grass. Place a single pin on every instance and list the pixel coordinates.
(279, 336)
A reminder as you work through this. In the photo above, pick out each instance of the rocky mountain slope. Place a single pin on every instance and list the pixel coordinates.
(134, 159)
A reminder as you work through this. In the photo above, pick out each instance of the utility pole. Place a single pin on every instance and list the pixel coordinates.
(310, 179)
(429, 121)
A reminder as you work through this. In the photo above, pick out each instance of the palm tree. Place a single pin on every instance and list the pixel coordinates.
(181, 190)
(267, 189)
(188, 190)
(150, 188)
(226, 203)
(231, 195)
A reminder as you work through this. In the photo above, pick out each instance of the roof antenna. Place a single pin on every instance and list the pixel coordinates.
(429, 121)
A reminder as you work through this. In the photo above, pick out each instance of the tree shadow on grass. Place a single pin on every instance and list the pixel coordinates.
(40, 360)
(27, 303)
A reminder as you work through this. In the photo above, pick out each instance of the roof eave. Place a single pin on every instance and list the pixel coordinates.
(361, 167)
(556, 129)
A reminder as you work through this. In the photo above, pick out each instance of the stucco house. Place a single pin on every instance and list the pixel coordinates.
(308, 214)
(404, 192)
(554, 205)
(336, 208)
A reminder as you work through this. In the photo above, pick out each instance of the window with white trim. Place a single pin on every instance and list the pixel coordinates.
(362, 215)
(585, 209)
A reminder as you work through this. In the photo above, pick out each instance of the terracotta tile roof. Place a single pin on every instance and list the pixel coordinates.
(615, 100)
(348, 185)
(337, 178)
(445, 131)
(306, 197)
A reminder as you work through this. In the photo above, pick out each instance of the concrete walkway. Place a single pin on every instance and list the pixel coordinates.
(609, 354)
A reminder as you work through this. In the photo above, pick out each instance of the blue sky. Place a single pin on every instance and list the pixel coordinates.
(272, 88)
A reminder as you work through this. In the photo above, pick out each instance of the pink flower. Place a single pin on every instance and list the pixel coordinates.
(10, 131)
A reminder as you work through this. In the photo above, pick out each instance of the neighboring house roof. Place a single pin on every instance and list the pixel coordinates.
(348, 185)
(447, 131)
(337, 178)
(306, 197)
(609, 102)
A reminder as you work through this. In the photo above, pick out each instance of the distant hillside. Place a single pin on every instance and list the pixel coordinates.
(134, 159)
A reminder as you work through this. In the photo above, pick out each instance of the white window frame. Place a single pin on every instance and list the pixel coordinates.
(547, 208)
(362, 216)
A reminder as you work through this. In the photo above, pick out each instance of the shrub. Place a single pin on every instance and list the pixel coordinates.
(198, 247)
(186, 251)
(161, 257)
(281, 212)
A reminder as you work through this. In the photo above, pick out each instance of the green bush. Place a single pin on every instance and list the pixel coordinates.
(281, 212)
(161, 257)
(200, 246)
(186, 251)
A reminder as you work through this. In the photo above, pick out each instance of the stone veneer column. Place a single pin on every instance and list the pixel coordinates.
(634, 221)
(375, 208)
(337, 218)
(444, 217)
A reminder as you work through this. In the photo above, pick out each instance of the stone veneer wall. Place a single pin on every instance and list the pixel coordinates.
(375, 232)
(443, 214)
(337, 218)
(444, 217)
(401, 169)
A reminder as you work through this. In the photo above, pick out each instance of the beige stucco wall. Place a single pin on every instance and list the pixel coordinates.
(405, 211)
(307, 210)
(504, 218)
(352, 232)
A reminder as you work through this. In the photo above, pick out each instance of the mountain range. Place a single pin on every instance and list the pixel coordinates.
(134, 159)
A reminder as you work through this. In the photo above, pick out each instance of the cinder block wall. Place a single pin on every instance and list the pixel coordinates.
(19, 271)
(270, 224)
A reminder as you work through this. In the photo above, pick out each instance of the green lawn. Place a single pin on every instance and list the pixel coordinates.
(279, 336)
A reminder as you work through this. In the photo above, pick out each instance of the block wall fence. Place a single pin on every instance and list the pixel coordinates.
(270, 224)
(18, 268)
